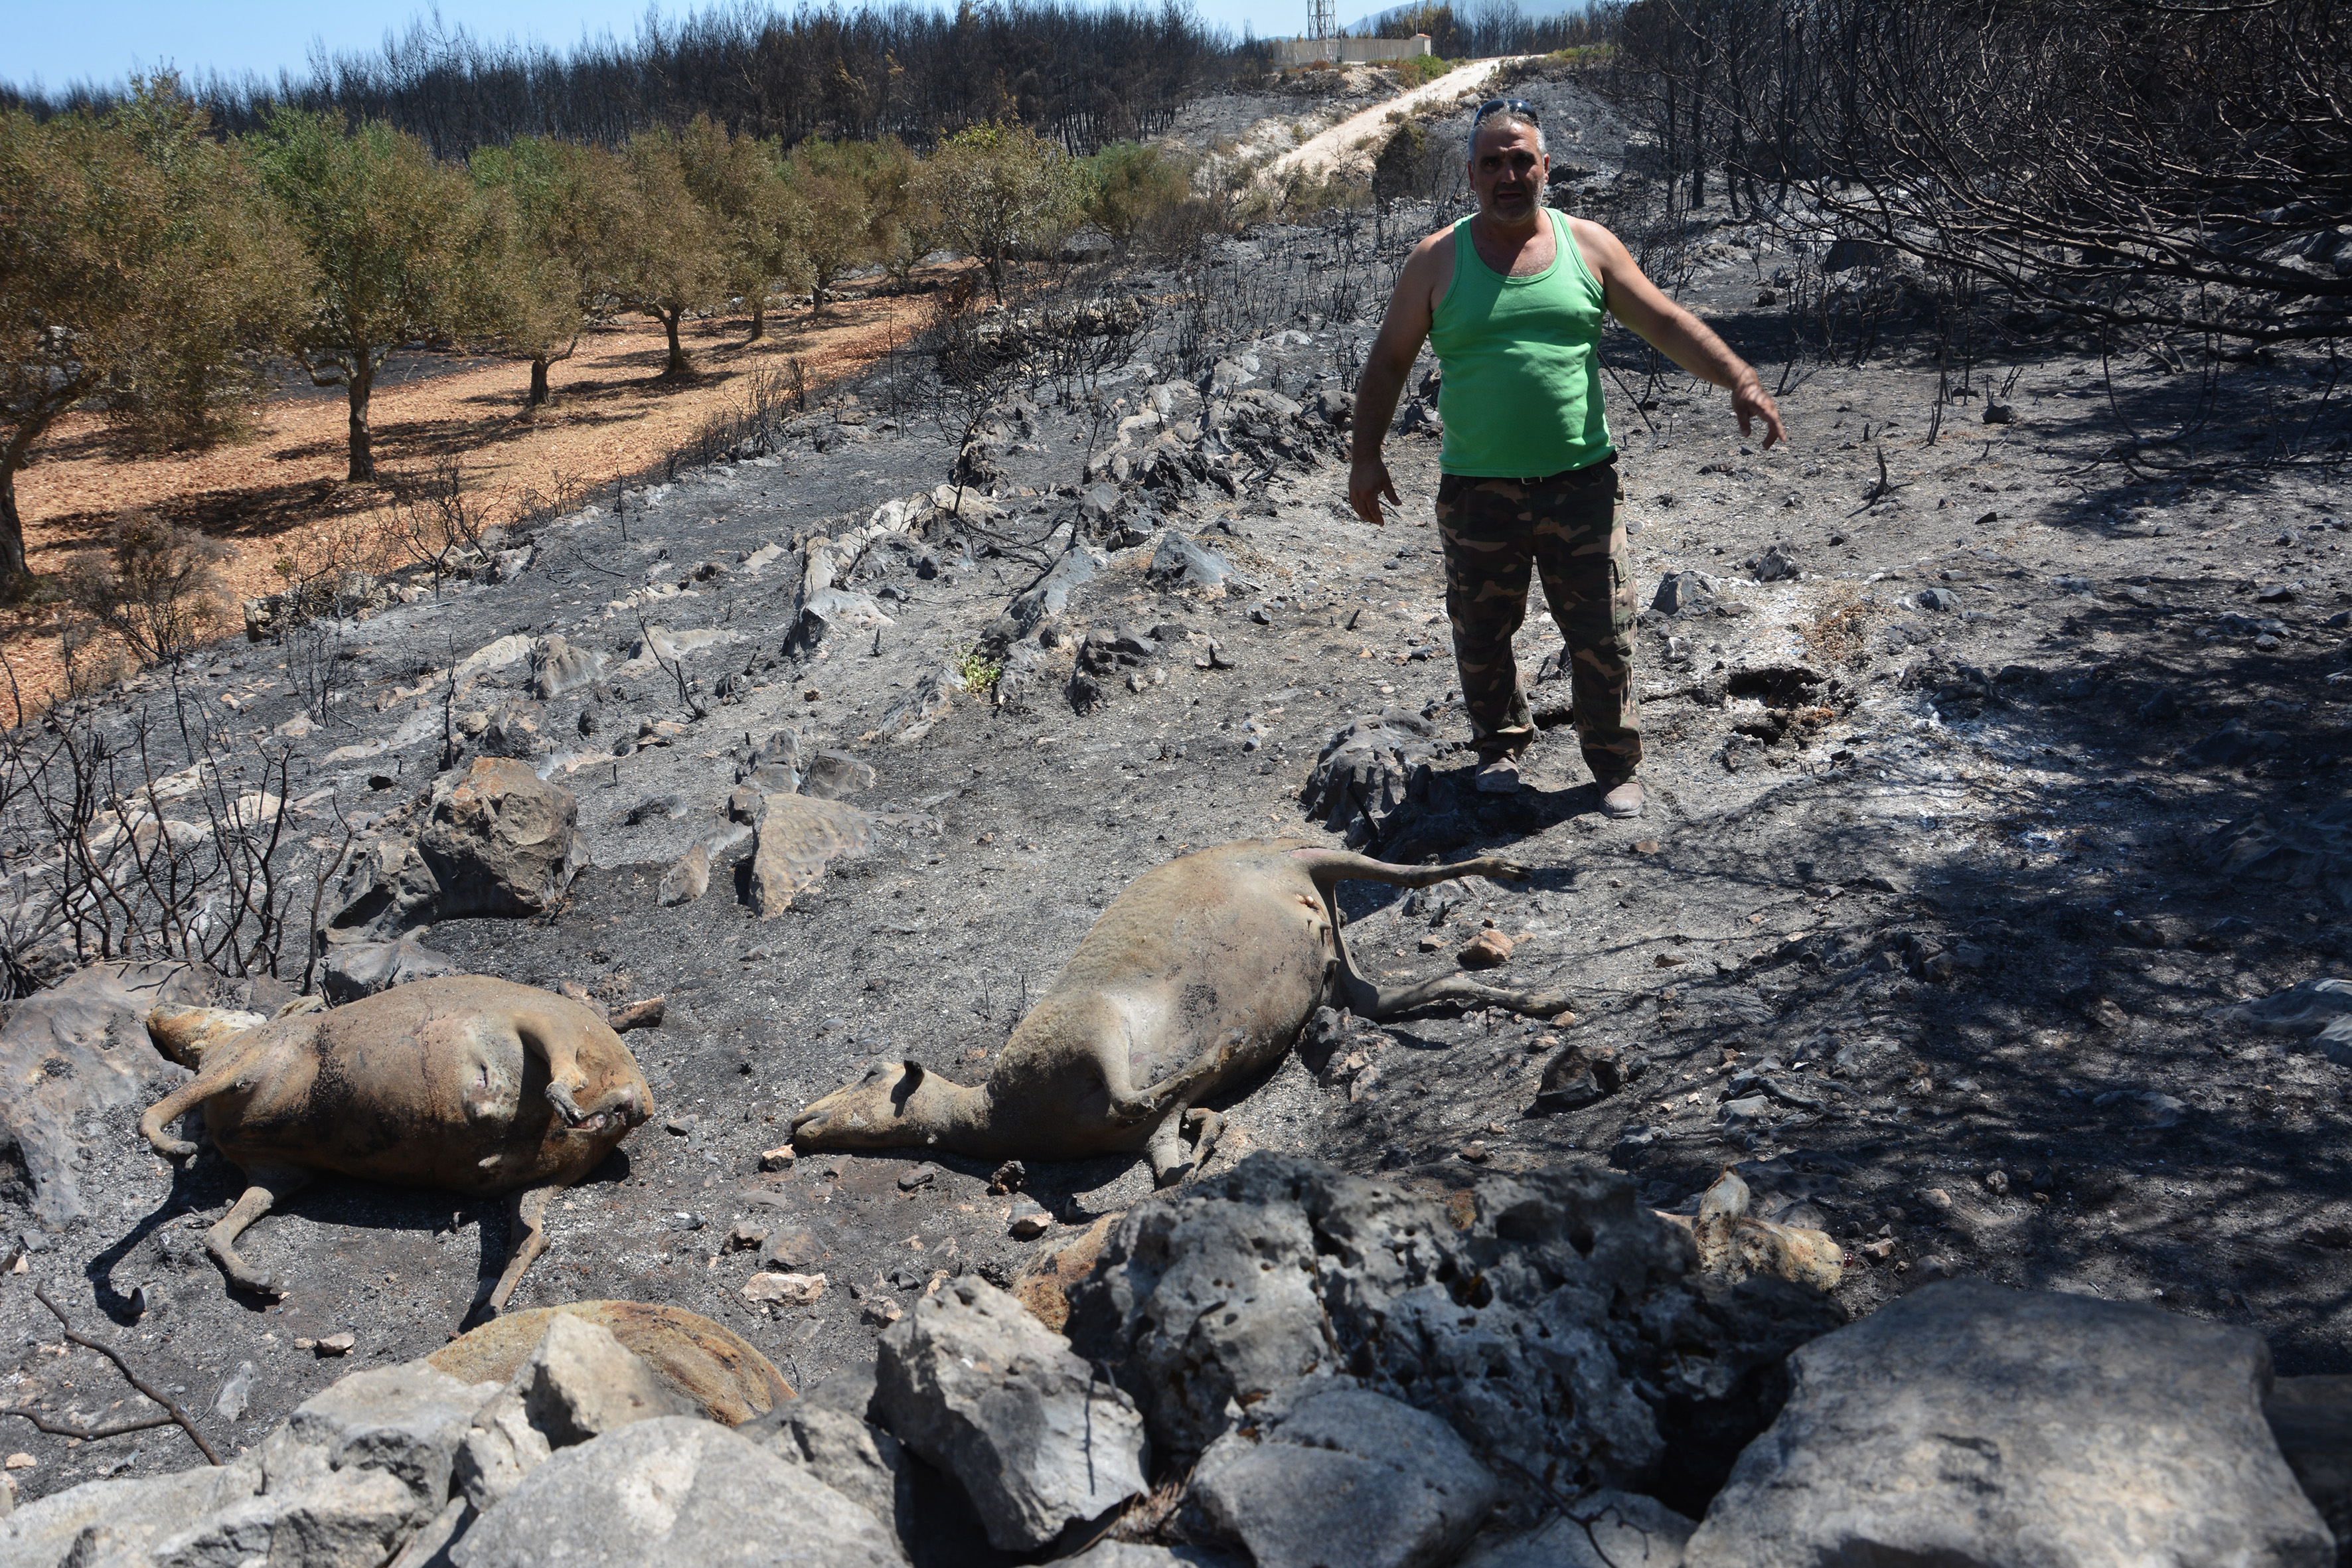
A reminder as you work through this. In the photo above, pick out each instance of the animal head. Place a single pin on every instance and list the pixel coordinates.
(186, 1034)
(877, 1112)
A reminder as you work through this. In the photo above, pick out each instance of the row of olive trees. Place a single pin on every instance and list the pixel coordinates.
(150, 269)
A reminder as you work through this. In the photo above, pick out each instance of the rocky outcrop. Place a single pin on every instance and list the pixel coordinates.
(497, 840)
(79, 1046)
(1323, 1472)
(358, 968)
(673, 1493)
(1971, 1425)
(580, 1383)
(1564, 1330)
(799, 837)
(1037, 1438)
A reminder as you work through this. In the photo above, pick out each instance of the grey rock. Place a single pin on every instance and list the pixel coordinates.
(835, 775)
(768, 778)
(499, 841)
(782, 748)
(235, 1392)
(1680, 590)
(115, 1522)
(429, 1547)
(1327, 1473)
(1966, 1425)
(688, 877)
(357, 969)
(1589, 1308)
(1776, 565)
(2318, 1010)
(1601, 1530)
(356, 1469)
(1050, 595)
(557, 669)
(1178, 562)
(1942, 599)
(843, 1450)
(674, 1493)
(1099, 503)
(79, 1046)
(974, 1384)
(799, 836)
(578, 1383)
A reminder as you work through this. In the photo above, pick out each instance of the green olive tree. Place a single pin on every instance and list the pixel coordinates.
(1001, 192)
(667, 256)
(130, 254)
(557, 206)
(399, 250)
(762, 223)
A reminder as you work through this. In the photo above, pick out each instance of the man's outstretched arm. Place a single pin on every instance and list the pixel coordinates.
(1390, 360)
(1675, 333)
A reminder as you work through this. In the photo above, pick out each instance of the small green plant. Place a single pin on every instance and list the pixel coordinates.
(974, 668)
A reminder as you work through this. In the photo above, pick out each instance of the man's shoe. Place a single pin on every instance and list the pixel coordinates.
(1500, 776)
(1624, 798)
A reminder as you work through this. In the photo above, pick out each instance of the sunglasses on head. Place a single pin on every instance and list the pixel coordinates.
(1519, 108)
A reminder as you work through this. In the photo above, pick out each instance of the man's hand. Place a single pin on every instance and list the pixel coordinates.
(1368, 482)
(1751, 402)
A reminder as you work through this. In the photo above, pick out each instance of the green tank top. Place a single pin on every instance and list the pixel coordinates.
(1520, 392)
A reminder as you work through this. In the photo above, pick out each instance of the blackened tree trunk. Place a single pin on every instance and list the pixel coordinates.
(678, 368)
(539, 392)
(360, 387)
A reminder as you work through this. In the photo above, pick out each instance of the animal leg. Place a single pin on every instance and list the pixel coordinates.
(1171, 1093)
(559, 1048)
(527, 1235)
(271, 1185)
(217, 1075)
(1207, 1128)
(1368, 1000)
(1170, 1164)
(1330, 868)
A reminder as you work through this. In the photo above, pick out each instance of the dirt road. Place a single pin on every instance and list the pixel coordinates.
(1338, 145)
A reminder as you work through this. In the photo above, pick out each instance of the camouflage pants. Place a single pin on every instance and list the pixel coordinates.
(1566, 529)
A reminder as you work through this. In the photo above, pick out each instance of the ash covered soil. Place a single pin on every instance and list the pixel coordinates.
(1957, 836)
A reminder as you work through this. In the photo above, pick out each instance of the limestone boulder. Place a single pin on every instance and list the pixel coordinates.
(674, 1493)
(798, 838)
(1546, 1311)
(581, 1382)
(499, 841)
(1968, 1424)
(1037, 1436)
(1326, 1472)
(358, 968)
(557, 669)
(81, 1045)
(2311, 1417)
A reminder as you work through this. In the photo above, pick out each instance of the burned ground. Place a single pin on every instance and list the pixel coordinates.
(1955, 837)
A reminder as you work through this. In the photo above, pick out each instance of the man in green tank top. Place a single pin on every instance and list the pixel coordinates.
(1511, 298)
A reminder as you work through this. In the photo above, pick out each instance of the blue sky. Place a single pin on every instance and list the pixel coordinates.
(56, 42)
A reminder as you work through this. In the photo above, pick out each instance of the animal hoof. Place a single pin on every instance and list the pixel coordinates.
(179, 1149)
(1509, 871)
(561, 1098)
